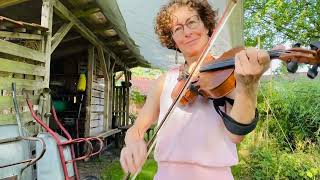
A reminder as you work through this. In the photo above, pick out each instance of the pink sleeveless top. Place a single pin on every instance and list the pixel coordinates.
(192, 140)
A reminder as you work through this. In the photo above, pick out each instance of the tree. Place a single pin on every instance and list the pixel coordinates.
(281, 21)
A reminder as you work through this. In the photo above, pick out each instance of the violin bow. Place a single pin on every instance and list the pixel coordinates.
(216, 31)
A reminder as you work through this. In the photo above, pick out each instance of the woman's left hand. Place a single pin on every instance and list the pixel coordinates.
(250, 64)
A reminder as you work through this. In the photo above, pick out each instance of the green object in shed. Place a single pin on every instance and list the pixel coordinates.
(60, 106)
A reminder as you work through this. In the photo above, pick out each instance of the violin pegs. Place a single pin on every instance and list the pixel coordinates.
(313, 72)
(292, 66)
(315, 45)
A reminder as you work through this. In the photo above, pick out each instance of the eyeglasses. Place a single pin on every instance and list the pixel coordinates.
(191, 23)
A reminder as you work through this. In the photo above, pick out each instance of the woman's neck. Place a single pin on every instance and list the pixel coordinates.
(191, 59)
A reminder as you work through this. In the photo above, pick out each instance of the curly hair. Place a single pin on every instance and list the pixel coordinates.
(164, 19)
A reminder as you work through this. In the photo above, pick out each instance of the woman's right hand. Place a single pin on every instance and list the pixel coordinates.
(133, 154)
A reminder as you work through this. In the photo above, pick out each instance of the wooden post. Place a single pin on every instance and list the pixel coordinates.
(105, 69)
(128, 78)
(89, 88)
(46, 21)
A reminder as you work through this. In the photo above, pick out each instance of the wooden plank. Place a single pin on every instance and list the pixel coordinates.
(96, 131)
(60, 34)
(17, 35)
(7, 101)
(21, 51)
(96, 115)
(109, 133)
(21, 68)
(6, 83)
(96, 123)
(64, 13)
(97, 86)
(11, 118)
(96, 93)
(7, 3)
(97, 101)
(97, 108)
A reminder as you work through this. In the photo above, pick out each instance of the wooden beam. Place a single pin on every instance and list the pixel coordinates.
(46, 21)
(21, 51)
(21, 68)
(119, 76)
(102, 28)
(83, 30)
(71, 38)
(86, 10)
(109, 133)
(7, 3)
(118, 48)
(89, 89)
(16, 35)
(106, 88)
(60, 34)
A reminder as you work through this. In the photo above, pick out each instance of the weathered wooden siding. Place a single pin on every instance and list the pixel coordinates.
(95, 96)
(97, 107)
(21, 62)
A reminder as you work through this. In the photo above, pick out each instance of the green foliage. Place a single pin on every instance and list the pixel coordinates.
(137, 97)
(279, 21)
(266, 161)
(146, 72)
(114, 171)
(289, 117)
(294, 111)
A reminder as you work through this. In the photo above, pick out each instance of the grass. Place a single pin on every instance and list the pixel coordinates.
(114, 171)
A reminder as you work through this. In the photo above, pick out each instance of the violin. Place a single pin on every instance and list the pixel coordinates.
(215, 78)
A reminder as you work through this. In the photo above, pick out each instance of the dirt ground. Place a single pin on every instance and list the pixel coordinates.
(95, 166)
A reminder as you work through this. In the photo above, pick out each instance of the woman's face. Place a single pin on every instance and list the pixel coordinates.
(188, 31)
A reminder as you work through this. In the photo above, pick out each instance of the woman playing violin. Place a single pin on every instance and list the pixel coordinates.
(194, 143)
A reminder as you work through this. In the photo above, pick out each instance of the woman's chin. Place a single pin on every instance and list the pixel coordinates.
(193, 53)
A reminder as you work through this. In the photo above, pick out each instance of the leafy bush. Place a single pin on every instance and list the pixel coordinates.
(285, 144)
(137, 97)
(267, 161)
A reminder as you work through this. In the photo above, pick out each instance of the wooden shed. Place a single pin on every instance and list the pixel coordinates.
(49, 44)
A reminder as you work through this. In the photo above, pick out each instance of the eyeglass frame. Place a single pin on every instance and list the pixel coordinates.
(186, 24)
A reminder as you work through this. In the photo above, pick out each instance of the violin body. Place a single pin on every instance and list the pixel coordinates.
(217, 84)
(209, 84)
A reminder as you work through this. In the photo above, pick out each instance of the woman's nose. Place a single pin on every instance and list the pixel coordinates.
(187, 32)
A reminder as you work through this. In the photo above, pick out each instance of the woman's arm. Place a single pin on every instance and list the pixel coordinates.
(243, 109)
(149, 112)
(250, 64)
